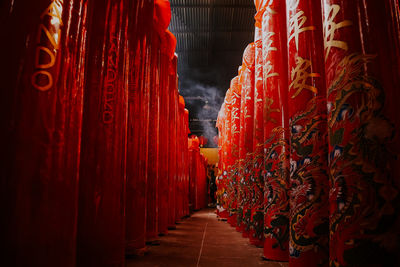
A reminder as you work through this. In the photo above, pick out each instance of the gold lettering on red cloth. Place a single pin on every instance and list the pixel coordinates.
(269, 48)
(299, 76)
(296, 27)
(269, 110)
(48, 42)
(330, 28)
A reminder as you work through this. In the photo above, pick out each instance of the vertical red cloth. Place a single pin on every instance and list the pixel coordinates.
(308, 244)
(362, 73)
(234, 142)
(172, 143)
(229, 186)
(180, 160)
(167, 51)
(256, 200)
(220, 181)
(101, 218)
(164, 147)
(138, 114)
(187, 160)
(153, 143)
(41, 104)
(246, 137)
(276, 192)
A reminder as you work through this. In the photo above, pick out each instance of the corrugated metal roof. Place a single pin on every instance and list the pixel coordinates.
(211, 37)
(210, 26)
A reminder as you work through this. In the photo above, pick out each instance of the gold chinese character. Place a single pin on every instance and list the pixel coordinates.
(268, 70)
(330, 27)
(295, 27)
(268, 42)
(268, 110)
(299, 76)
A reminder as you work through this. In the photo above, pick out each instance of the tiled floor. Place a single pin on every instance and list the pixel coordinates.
(202, 240)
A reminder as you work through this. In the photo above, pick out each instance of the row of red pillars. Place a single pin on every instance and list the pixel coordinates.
(309, 134)
(94, 137)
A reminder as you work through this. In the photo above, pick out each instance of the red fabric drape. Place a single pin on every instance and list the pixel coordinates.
(153, 143)
(41, 115)
(186, 162)
(101, 218)
(362, 70)
(138, 115)
(276, 191)
(164, 133)
(234, 144)
(246, 138)
(229, 186)
(223, 136)
(173, 98)
(256, 199)
(309, 223)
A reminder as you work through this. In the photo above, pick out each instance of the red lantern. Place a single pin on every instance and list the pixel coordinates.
(44, 50)
(309, 223)
(362, 74)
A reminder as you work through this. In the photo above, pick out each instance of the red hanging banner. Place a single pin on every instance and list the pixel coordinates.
(246, 138)
(101, 217)
(164, 138)
(44, 51)
(256, 199)
(172, 168)
(153, 144)
(234, 146)
(138, 115)
(362, 68)
(276, 134)
(309, 187)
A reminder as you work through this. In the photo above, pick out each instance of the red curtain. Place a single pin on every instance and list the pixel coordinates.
(41, 118)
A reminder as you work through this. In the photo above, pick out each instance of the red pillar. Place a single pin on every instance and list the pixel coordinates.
(187, 160)
(101, 221)
(234, 142)
(138, 114)
(276, 132)
(153, 144)
(308, 244)
(164, 135)
(256, 199)
(41, 115)
(172, 143)
(362, 74)
(246, 137)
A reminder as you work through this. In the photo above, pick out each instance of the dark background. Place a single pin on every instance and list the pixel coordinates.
(211, 37)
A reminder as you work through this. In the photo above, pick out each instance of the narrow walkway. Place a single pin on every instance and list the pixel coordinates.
(202, 240)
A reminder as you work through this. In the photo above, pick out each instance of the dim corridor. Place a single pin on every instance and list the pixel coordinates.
(202, 240)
